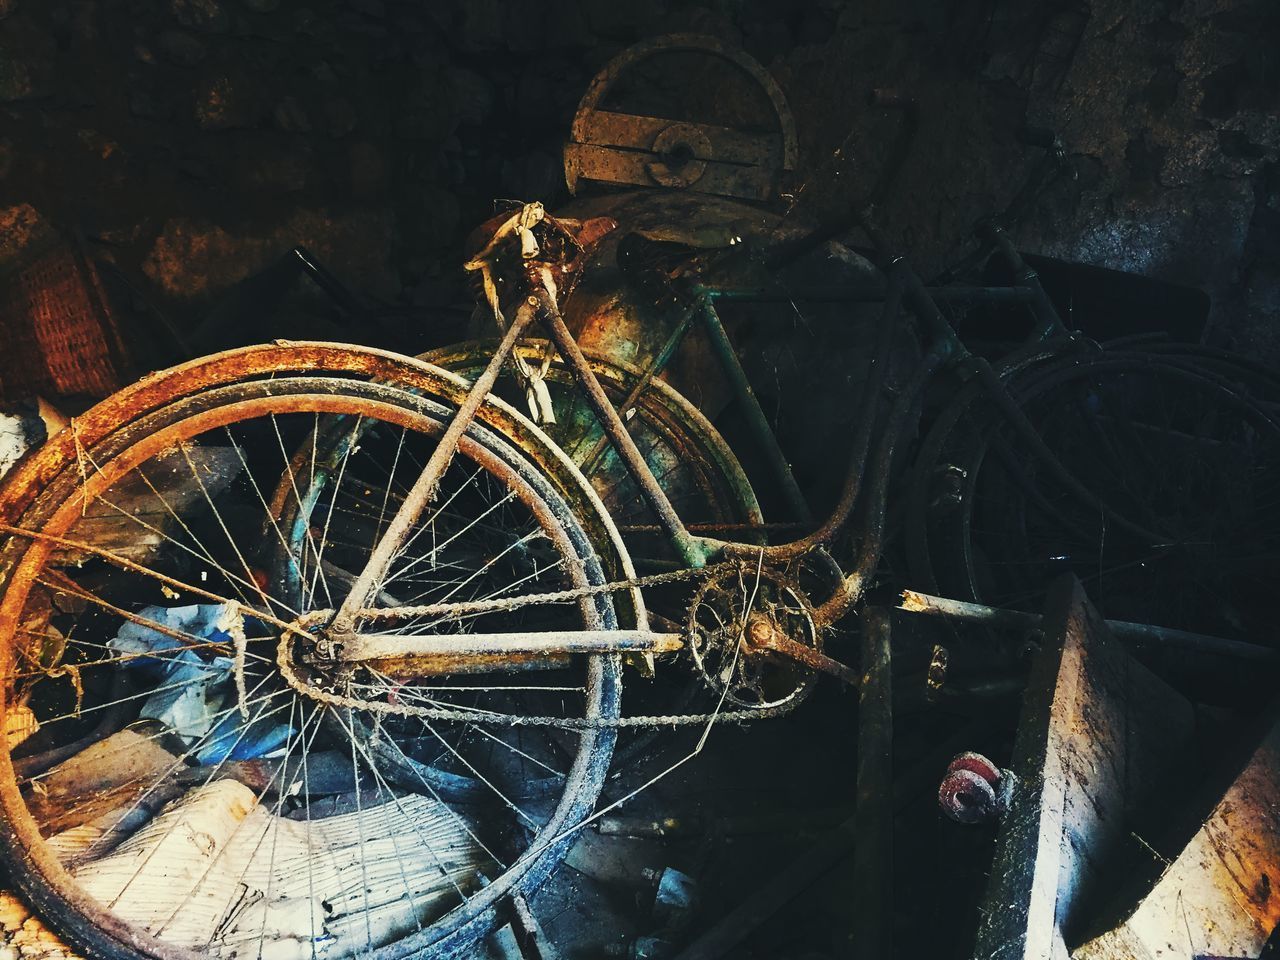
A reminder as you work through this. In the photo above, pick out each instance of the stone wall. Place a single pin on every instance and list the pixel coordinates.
(197, 140)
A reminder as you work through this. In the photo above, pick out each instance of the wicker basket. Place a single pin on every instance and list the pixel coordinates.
(58, 337)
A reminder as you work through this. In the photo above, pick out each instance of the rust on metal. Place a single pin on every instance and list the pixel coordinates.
(421, 666)
(613, 147)
(762, 636)
(406, 647)
(969, 791)
(966, 797)
(423, 489)
(913, 601)
(685, 545)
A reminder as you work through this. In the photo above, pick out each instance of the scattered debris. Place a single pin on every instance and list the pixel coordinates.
(675, 897)
(197, 688)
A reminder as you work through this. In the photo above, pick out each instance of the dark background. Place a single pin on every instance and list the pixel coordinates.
(194, 141)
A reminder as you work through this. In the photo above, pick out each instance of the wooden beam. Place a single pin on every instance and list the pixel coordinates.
(1096, 729)
(1221, 896)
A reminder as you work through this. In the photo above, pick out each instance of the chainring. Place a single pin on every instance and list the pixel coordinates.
(726, 606)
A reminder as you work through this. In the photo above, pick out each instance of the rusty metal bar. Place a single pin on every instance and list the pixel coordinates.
(1051, 324)
(869, 405)
(915, 602)
(761, 430)
(780, 526)
(838, 294)
(424, 488)
(687, 546)
(657, 366)
(698, 827)
(873, 854)
(871, 535)
(357, 647)
(782, 645)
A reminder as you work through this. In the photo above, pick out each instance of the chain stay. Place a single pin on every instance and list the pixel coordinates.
(329, 698)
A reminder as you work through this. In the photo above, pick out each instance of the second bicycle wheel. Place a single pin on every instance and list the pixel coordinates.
(694, 466)
(168, 791)
(1182, 525)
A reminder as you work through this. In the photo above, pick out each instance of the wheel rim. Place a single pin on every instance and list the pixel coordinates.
(599, 691)
(1161, 445)
(699, 473)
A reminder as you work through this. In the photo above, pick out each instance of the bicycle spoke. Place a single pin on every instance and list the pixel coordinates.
(342, 828)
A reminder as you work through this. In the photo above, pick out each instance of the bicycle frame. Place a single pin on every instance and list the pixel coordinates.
(695, 551)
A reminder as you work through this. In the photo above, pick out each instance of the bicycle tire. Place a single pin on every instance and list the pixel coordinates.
(52, 507)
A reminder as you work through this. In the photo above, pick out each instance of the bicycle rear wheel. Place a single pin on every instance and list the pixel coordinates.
(159, 801)
(1161, 447)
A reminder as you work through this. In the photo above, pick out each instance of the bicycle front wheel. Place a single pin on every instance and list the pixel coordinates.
(168, 792)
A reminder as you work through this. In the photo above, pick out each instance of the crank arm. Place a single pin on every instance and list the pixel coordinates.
(811, 658)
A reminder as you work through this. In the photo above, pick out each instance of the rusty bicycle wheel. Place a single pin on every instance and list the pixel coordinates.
(168, 794)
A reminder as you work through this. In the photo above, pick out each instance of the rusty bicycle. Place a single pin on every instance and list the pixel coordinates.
(317, 650)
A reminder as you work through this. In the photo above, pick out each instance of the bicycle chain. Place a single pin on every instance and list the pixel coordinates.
(285, 665)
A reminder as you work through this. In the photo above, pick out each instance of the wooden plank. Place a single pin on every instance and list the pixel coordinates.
(1221, 896)
(1096, 729)
(615, 165)
(602, 128)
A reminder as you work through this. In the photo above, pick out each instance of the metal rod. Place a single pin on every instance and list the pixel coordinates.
(398, 646)
(424, 488)
(870, 537)
(837, 294)
(1051, 324)
(780, 526)
(657, 366)
(873, 853)
(860, 444)
(914, 294)
(915, 602)
(777, 642)
(761, 430)
(698, 827)
(685, 544)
